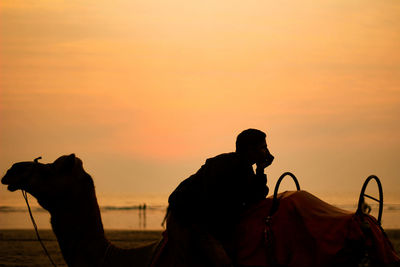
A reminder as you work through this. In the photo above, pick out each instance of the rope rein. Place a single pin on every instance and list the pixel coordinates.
(25, 195)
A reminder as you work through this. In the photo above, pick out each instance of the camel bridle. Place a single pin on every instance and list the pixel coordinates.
(25, 195)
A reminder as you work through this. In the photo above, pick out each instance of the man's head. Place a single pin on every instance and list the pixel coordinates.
(252, 145)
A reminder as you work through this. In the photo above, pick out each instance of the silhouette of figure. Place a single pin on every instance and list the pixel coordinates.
(205, 207)
(144, 215)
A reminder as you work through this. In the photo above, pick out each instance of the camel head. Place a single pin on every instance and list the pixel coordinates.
(59, 182)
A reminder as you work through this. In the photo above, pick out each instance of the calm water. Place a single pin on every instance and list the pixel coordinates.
(128, 213)
(129, 219)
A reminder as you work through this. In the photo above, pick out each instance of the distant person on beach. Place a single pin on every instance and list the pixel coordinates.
(205, 207)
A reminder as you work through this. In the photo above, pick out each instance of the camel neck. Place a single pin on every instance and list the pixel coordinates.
(79, 231)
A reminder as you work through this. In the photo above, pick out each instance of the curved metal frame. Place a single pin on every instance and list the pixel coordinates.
(275, 200)
(362, 195)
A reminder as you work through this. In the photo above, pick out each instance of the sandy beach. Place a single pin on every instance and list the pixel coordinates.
(21, 248)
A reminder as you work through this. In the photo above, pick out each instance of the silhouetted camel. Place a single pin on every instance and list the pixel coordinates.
(67, 192)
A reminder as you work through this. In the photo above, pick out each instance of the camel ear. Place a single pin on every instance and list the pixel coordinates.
(70, 162)
(65, 163)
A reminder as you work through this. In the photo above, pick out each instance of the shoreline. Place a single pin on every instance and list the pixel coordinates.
(20, 247)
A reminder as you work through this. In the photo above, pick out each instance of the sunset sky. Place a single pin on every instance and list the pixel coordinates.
(143, 91)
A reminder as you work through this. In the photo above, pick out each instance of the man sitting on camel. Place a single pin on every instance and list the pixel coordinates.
(205, 208)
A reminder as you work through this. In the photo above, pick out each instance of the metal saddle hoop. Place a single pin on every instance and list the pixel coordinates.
(275, 201)
(362, 195)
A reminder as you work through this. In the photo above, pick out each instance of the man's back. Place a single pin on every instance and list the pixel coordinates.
(217, 193)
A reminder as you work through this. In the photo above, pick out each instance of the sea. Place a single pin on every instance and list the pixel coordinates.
(125, 212)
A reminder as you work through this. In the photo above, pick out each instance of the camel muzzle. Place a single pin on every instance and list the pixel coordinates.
(18, 175)
(13, 183)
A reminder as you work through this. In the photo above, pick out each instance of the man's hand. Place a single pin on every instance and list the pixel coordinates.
(264, 164)
(260, 167)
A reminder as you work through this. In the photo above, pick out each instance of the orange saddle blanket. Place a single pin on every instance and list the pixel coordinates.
(306, 231)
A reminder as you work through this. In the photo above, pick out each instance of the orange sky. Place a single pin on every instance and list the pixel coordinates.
(144, 91)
